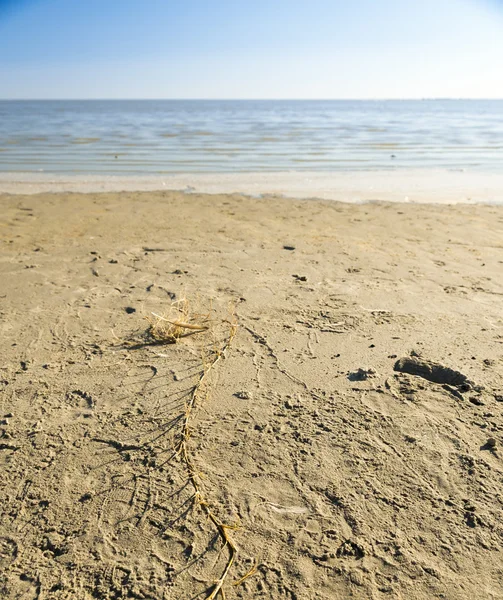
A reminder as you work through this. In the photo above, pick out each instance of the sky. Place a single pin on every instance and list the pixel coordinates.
(251, 49)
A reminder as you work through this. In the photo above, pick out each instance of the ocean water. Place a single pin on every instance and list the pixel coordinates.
(149, 137)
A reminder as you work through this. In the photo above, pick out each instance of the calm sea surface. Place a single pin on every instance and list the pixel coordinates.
(171, 136)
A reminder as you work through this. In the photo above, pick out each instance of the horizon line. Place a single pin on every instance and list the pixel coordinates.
(374, 99)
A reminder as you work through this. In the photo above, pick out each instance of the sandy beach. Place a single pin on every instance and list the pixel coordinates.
(348, 439)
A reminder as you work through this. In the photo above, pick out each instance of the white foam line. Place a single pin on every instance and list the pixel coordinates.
(412, 186)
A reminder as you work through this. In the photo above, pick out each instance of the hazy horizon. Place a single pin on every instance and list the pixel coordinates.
(132, 99)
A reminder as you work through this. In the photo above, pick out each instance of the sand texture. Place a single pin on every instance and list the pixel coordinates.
(352, 431)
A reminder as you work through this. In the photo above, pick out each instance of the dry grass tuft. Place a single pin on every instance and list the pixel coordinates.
(180, 321)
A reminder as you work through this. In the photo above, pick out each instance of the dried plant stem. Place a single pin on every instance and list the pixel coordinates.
(196, 395)
(251, 572)
(182, 324)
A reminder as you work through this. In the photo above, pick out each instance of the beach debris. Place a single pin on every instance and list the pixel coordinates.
(361, 374)
(431, 371)
(300, 277)
(242, 395)
(172, 295)
(197, 394)
(180, 320)
(180, 324)
(286, 247)
(252, 571)
(476, 401)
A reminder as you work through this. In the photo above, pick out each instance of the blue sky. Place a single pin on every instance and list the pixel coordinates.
(251, 49)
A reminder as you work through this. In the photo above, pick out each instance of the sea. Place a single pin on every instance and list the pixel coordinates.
(156, 137)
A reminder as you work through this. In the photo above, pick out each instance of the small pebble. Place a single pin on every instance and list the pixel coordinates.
(130, 310)
(491, 443)
(476, 401)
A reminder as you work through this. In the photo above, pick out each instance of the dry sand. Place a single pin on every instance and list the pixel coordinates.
(348, 479)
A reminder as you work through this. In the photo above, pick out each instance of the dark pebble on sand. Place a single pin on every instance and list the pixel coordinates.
(476, 401)
(130, 310)
(288, 247)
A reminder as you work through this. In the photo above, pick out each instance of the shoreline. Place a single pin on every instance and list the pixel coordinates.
(423, 186)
